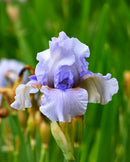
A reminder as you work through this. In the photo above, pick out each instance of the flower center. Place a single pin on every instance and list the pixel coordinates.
(66, 83)
(64, 80)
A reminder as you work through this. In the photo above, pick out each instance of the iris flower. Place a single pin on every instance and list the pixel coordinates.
(11, 68)
(67, 85)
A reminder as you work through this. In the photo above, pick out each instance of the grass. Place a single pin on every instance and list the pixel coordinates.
(105, 27)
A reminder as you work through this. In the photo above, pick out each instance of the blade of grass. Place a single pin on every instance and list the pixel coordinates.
(109, 125)
(84, 20)
(99, 39)
(16, 131)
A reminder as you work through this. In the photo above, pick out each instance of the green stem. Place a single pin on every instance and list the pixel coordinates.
(77, 153)
(15, 156)
(43, 157)
(127, 157)
(68, 160)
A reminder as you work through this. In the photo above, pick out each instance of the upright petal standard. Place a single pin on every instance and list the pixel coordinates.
(64, 80)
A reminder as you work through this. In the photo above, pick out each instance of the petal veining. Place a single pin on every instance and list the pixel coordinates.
(61, 106)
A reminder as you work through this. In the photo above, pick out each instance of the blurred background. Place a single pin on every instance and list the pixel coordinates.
(26, 26)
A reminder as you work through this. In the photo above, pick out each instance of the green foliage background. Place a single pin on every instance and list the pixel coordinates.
(105, 27)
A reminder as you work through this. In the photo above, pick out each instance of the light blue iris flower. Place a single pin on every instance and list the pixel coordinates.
(66, 83)
(11, 67)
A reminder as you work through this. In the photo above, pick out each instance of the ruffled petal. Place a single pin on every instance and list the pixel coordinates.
(61, 106)
(62, 56)
(66, 76)
(42, 68)
(100, 88)
(54, 43)
(45, 69)
(63, 52)
(22, 98)
(69, 47)
(81, 52)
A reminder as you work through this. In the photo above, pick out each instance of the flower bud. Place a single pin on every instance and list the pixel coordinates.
(22, 117)
(62, 141)
(13, 13)
(67, 130)
(8, 94)
(45, 133)
(38, 118)
(3, 112)
(31, 125)
(127, 83)
(78, 129)
(17, 143)
(120, 151)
